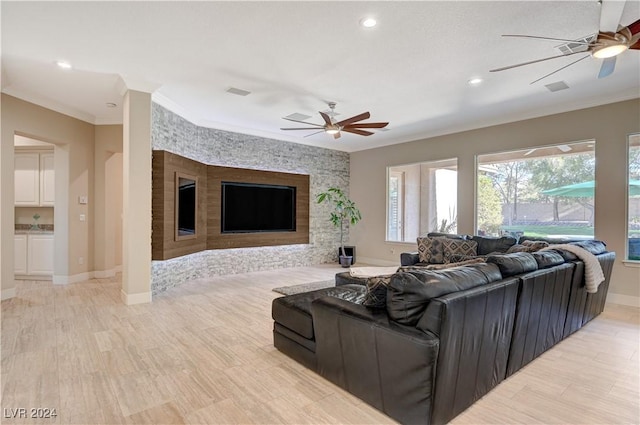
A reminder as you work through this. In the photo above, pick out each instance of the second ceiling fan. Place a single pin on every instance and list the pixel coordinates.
(330, 126)
(612, 40)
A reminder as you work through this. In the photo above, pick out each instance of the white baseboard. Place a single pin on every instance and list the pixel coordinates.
(130, 299)
(377, 261)
(623, 299)
(75, 278)
(104, 274)
(8, 293)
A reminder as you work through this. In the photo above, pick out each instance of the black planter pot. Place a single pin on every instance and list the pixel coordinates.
(345, 261)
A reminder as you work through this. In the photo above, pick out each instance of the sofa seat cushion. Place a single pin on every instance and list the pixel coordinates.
(513, 264)
(410, 292)
(345, 278)
(294, 311)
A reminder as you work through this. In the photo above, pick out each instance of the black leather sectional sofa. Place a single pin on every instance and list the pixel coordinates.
(446, 337)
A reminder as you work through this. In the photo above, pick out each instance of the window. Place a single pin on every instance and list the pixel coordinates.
(421, 198)
(633, 232)
(543, 191)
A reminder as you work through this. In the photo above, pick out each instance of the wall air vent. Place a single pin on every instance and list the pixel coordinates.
(557, 86)
(238, 92)
(578, 46)
(298, 116)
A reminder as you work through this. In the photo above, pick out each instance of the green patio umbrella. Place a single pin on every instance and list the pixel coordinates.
(585, 189)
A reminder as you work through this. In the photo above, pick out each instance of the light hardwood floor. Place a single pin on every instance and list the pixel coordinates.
(202, 353)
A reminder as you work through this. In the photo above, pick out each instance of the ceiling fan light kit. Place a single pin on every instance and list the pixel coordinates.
(610, 51)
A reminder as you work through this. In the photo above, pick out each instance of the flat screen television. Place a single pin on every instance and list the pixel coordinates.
(186, 207)
(253, 208)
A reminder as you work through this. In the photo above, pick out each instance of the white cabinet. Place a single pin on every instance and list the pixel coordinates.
(40, 254)
(34, 179)
(27, 179)
(33, 254)
(47, 180)
(20, 254)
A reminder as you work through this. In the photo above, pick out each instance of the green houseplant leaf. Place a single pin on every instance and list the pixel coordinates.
(344, 211)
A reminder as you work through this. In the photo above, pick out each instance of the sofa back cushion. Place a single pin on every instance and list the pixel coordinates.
(546, 259)
(593, 246)
(409, 293)
(513, 264)
(488, 245)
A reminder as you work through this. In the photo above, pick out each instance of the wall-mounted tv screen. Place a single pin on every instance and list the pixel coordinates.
(185, 206)
(251, 208)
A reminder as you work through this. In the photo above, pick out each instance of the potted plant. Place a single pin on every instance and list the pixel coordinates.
(344, 211)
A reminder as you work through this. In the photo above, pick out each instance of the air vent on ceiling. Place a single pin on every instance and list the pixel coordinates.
(557, 86)
(577, 46)
(298, 117)
(238, 92)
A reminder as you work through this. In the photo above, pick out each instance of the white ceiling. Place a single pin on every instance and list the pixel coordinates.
(411, 69)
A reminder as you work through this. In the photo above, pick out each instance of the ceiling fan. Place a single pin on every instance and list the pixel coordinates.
(330, 126)
(612, 40)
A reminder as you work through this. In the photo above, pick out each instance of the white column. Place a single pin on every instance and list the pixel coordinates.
(136, 203)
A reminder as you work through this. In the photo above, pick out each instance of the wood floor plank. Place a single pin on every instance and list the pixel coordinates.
(202, 353)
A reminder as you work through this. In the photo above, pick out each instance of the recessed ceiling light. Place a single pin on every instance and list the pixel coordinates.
(474, 81)
(63, 64)
(111, 105)
(368, 22)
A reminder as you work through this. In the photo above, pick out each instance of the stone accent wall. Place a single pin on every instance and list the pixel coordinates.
(325, 167)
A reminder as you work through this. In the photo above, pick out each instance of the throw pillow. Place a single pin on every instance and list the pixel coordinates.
(376, 292)
(431, 250)
(453, 248)
(437, 250)
(535, 245)
(424, 249)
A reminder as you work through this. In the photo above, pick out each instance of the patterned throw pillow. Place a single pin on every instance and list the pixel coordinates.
(376, 293)
(453, 248)
(535, 245)
(528, 246)
(424, 249)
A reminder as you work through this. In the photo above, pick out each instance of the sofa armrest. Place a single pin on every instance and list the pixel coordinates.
(409, 258)
(388, 365)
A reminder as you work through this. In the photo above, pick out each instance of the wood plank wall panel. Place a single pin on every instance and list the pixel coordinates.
(208, 234)
(218, 240)
(163, 243)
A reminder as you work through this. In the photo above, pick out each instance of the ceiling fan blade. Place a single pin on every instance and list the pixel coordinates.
(634, 27)
(367, 125)
(560, 69)
(302, 122)
(356, 131)
(337, 135)
(534, 61)
(325, 117)
(317, 132)
(610, 14)
(608, 65)
(301, 128)
(546, 38)
(360, 117)
(635, 46)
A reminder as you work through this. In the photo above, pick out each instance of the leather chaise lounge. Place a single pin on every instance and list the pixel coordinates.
(444, 338)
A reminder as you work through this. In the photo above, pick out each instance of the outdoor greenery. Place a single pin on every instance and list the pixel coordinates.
(513, 183)
(489, 206)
